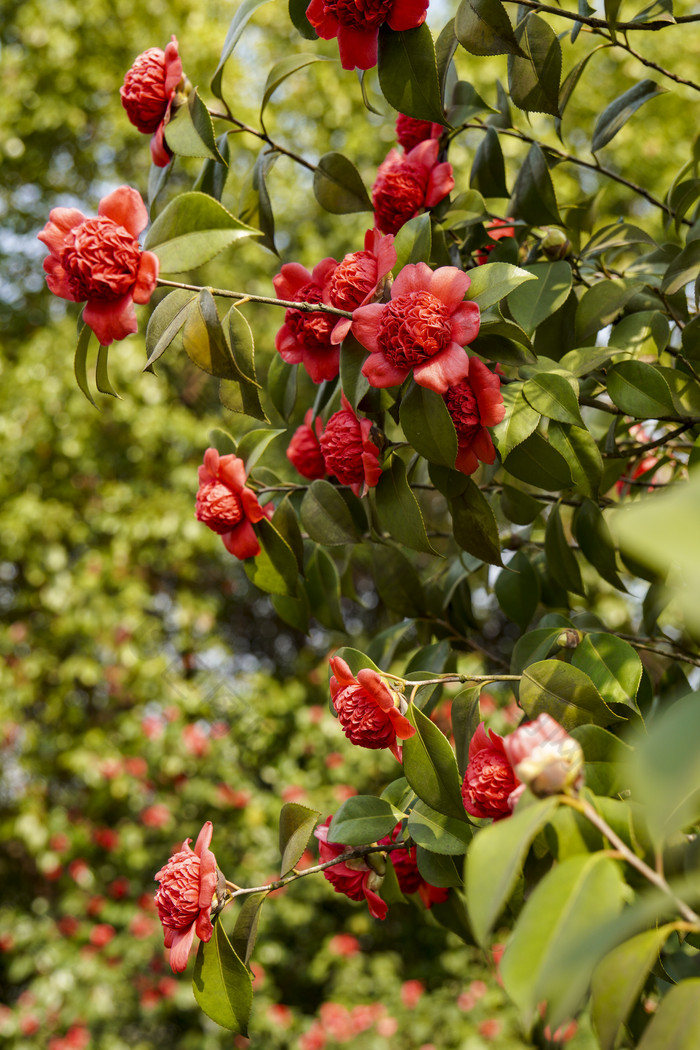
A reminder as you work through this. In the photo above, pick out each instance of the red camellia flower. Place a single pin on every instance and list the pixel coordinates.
(305, 338)
(148, 92)
(410, 131)
(475, 404)
(356, 24)
(422, 329)
(367, 709)
(99, 261)
(348, 452)
(406, 868)
(354, 877)
(408, 183)
(497, 229)
(490, 779)
(359, 278)
(184, 898)
(304, 452)
(226, 506)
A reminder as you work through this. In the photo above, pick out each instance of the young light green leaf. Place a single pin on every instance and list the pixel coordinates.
(518, 423)
(494, 281)
(191, 230)
(166, 321)
(676, 1023)
(222, 983)
(296, 825)
(495, 860)
(190, 133)
(612, 665)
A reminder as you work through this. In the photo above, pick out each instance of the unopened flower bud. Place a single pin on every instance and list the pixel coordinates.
(555, 244)
(377, 862)
(545, 758)
(569, 638)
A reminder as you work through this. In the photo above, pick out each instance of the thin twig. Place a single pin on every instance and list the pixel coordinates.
(638, 450)
(600, 23)
(307, 308)
(263, 136)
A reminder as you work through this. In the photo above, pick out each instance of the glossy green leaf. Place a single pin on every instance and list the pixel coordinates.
(413, 242)
(552, 395)
(85, 338)
(254, 205)
(221, 982)
(537, 463)
(438, 833)
(190, 133)
(639, 390)
(245, 931)
(465, 717)
(363, 819)
(338, 185)
(574, 898)
(297, 822)
(204, 340)
(191, 230)
(534, 76)
(605, 755)
(495, 861)
(282, 386)
(676, 1023)
(428, 425)
(438, 870)
(166, 322)
(397, 508)
(240, 340)
(518, 506)
(565, 693)
(532, 647)
(240, 20)
(322, 584)
(600, 305)
(488, 173)
(467, 103)
(518, 423)
(561, 560)
(408, 74)
(493, 281)
(286, 67)
(684, 268)
(616, 115)
(352, 381)
(430, 767)
(275, 569)
(596, 542)
(396, 580)
(325, 515)
(581, 453)
(531, 304)
(445, 47)
(646, 332)
(484, 28)
(612, 665)
(518, 590)
(533, 197)
(254, 443)
(102, 381)
(474, 524)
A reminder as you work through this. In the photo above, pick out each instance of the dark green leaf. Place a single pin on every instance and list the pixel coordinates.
(430, 767)
(363, 819)
(474, 525)
(408, 74)
(413, 242)
(355, 659)
(428, 425)
(616, 115)
(398, 511)
(297, 15)
(533, 646)
(596, 542)
(465, 717)
(240, 20)
(190, 133)
(245, 931)
(531, 304)
(213, 173)
(581, 453)
(484, 28)
(191, 230)
(565, 693)
(570, 82)
(240, 340)
(518, 423)
(537, 463)
(221, 983)
(254, 204)
(396, 580)
(323, 589)
(600, 304)
(338, 186)
(518, 590)
(534, 75)
(518, 506)
(253, 444)
(445, 47)
(488, 174)
(533, 197)
(495, 861)
(275, 569)
(639, 389)
(282, 386)
(101, 373)
(325, 515)
(466, 104)
(437, 870)
(561, 560)
(438, 833)
(617, 235)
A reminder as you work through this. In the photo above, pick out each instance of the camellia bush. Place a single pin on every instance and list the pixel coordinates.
(458, 411)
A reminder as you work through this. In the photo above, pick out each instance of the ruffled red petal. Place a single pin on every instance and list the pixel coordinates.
(444, 370)
(125, 206)
(111, 320)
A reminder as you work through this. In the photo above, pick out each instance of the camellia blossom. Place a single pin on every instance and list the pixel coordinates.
(368, 710)
(474, 404)
(497, 229)
(359, 278)
(490, 780)
(410, 131)
(148, 92)
(408, 183)
(304, 451)
(226, 506)
(99, 262)
(545, 758)
(422, 329)
(409, 877)
(355, 878)
(305, 338)
(185, 895)
(356, 25)
(348, 452)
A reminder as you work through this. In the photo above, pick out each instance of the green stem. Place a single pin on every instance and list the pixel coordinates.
(225, 293)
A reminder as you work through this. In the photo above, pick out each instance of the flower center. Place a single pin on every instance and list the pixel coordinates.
(143, 94)
(101, 259)
(413, 328)
(353, 280)
(359, 14)
(218, 507)
(313, 330)
(177, 898)
(462, 405)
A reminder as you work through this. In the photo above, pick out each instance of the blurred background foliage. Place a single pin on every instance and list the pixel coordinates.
(146, 687)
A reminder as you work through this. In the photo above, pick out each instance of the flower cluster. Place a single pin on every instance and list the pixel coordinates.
(540, 755)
